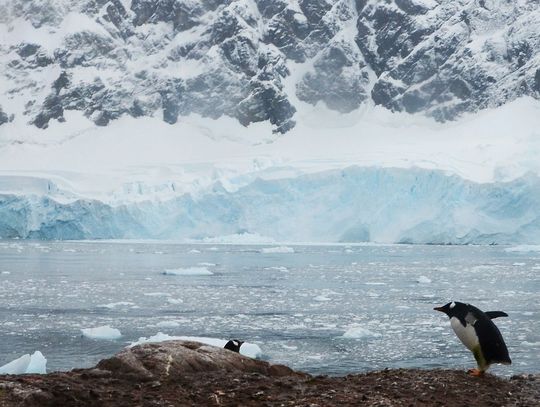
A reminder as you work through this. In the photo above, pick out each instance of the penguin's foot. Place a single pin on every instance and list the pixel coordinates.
(475, 372)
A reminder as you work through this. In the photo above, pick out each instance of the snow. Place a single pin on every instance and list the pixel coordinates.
(190, 271)
(35, 363)
(358, 332)
(101, 332)
(278, 249)
(225, 168)
(495, 144)
(247, 349)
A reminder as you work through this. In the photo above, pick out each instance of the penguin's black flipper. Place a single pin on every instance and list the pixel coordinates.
(496, 314)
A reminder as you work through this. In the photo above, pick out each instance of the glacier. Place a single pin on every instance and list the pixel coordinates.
(355, 204)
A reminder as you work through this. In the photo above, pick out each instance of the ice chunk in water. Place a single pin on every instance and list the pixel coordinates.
(358, 332)
(35, 363)
(101, 332)
(190, 271)
(279, 249)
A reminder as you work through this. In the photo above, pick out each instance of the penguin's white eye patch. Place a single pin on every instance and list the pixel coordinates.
(452, 304)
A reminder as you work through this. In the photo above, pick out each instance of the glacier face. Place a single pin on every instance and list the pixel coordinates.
(356, 204)
(261, 60)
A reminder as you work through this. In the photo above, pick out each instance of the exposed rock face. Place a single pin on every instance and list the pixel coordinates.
(251, 59)
(159, 361)
(3, 117)
(180, 373)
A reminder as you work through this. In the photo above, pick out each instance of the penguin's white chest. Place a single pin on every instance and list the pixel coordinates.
(466, 334)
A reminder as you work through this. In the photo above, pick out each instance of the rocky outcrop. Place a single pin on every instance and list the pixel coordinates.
(252, 59)
(160, 361)
(3, 117)
(178, 373)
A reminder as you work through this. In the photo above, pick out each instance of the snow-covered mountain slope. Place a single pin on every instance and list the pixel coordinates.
(262, 60)
(319, 120)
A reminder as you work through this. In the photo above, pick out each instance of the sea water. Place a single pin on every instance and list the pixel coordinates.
(324, 309)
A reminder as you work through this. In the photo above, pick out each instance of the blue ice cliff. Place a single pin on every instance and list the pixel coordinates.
(351, 205)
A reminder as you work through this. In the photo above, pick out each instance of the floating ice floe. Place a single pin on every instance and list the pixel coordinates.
(189, 271)
(116, 304)
(358, 332)
(247, 349)
(423, 280)
(101, 332)
(524, 248)
(156, 294)
(277, 249)
(278, 268)
(168, 324)
(35, 363)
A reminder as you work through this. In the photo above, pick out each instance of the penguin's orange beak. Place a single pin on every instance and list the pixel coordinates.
(440, 309)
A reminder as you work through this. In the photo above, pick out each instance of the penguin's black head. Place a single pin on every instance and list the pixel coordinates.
(453, 309)
(234, 345)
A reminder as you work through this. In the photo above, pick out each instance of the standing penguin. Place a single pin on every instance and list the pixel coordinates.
(478, 333)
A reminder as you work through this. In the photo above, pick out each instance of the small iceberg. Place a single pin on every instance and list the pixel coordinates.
(423, 280)
(35, 363)
(250, 350)
(101, 332)
(358, 332)
(189, 271)
(168, 324)
(116, 304)
(278, 249)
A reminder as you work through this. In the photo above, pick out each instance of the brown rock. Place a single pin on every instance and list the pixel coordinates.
(179, 373)
(180, 358)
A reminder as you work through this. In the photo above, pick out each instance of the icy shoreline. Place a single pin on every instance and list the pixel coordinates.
(191, 373)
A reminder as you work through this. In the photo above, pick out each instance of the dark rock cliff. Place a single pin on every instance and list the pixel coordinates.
(257, 60)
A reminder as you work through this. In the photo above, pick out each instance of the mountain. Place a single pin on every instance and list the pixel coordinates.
(323, 120)
(262, 60)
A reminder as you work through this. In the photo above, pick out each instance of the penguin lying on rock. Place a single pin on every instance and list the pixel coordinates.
(234, 345)
(478, 333)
